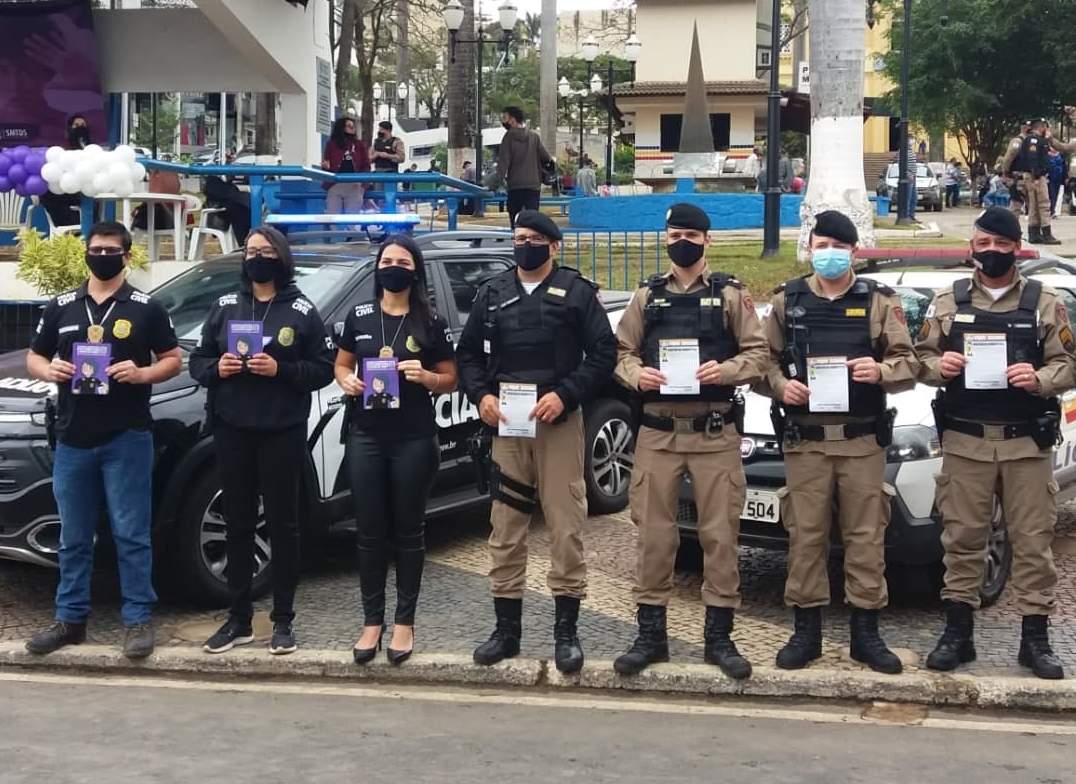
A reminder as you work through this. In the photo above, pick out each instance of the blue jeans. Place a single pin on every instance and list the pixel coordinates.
(118, 473)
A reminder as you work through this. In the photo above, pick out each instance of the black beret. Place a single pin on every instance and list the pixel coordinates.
(999, 221)
(836, 226)
(687, 216)
(540, 222)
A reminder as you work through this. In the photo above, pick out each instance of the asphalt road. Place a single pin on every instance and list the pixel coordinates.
(92, 729)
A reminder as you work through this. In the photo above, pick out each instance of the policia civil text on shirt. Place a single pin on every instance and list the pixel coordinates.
(998, 436)
(690, 429)
(851, 331)
(104, 447)
(1027, 161)
(257, 410)
(392, 452)
(538, 324)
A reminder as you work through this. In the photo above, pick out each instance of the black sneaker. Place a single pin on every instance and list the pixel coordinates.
(139, 642)
(56, 636)
(231, 634)
(283, 639)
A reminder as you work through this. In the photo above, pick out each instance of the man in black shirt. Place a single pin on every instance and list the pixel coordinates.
(104, 451)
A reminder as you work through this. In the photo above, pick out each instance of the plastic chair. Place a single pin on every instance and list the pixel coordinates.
(226, 237)
(178, 232)
(11, 212)
(54, 230)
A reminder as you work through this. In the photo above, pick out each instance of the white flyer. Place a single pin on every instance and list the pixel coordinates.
(679, 362)
(987, 355)
(827, 378)
(517, 402)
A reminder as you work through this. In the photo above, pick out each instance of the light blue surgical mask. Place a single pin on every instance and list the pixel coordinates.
(831, 263)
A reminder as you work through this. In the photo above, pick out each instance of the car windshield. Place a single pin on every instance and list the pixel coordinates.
(188, 297)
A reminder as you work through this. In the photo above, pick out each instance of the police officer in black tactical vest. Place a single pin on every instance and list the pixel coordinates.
(537, 332)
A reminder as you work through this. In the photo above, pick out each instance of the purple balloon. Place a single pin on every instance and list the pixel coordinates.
(17, 174)
(21, 191)
(35, 186)
(33, 165)
(5, 184)
(20, 153)
(5, 163)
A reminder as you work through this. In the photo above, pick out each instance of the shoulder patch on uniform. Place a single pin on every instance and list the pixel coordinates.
(898, 314)
(140, 297)
(365, 309)
(924, 331)
(302, 305)
(66, 298)
(228, 299)
(1065, 336)
(1061, 313)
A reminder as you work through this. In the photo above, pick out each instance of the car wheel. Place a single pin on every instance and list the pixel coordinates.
(998, 559)
(202, 563)
(610, 446)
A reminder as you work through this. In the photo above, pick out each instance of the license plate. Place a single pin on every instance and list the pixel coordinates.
(761, 506)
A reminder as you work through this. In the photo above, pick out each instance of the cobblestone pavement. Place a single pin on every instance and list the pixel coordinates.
(455, 611)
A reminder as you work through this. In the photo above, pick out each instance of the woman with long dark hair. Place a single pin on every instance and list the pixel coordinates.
(392, 452)
(345, 153)
(258, 404)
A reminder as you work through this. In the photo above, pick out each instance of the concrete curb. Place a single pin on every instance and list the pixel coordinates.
(995, 692)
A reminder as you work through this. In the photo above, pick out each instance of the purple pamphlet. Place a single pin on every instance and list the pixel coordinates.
(91, 361)
(244, 339)
(382, 381)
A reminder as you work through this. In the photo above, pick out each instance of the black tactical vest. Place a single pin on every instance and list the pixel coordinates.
(533, 338)
(385, 145)
(699, 315)
(1021, 328)
(818, 327)
(1033, 157)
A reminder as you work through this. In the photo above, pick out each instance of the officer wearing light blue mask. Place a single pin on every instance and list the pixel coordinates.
(838, 344)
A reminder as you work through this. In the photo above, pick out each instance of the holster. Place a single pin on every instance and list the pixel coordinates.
(1046, 429)
(937, 405)
(50, 421)
(736, 413)
(792, 362)
(883, 433)
(480, 449)
(521, 497)
(779, 421)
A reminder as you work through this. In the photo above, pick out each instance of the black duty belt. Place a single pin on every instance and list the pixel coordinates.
(712, 422)
(999, 432)
(833, 432)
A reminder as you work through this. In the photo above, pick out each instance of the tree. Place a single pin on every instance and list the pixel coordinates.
(167, 122)
(461, 81)
(838, 33)
(996, 63)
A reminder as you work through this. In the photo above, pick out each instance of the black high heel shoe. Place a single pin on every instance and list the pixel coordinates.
(366, 655)
(399, 657)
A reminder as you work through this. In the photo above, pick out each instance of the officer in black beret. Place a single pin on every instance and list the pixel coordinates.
(852, 332)
(537, 330)
(688, 338)
(998, 429)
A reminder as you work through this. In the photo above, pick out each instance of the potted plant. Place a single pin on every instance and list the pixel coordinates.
(58, 264)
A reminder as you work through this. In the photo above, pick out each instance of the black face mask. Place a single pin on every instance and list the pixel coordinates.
(994, 263)
(684, 253)
(105, 267)
(531, 257)
(395, 279)
(78, 137)
(349, 134)
(260, 269)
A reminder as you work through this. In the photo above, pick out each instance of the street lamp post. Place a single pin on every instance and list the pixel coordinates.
(378, 92)
(565, 91)
(632, 47)
(904, 184)
(771, 231)
(453, 16)
(402, 90)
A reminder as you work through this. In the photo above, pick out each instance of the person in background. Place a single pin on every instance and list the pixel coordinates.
(388, 152)
(951, 180)
(468, 173)
(753, 164)
(1057, 169)
(62, 207)
(520, 160)
(257, 411)
(393, 453)
(78, 133)
(345, 153)
(104, 450)
(587, 181)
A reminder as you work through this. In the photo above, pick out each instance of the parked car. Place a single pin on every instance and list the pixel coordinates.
(929, 192)
(188, 522)
(912, 460)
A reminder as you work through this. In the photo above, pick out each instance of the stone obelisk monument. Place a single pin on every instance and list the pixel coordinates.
(696, 157)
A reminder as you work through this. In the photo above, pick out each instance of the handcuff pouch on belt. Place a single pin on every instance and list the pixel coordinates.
(883, 432)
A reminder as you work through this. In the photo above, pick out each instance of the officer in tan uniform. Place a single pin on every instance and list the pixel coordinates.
(998, 440)
(541, 328)
(837, 325)
(1026, 159)
(707, 320)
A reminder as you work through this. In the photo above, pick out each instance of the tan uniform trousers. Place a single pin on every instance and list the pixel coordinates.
(965, 498)
(814, 481)
(553, 464)
(718, 482)
(1036, 193)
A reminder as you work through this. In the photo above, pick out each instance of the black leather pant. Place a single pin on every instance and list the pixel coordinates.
(390, 483)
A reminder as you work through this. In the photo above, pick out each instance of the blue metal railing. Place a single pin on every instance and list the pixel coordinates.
(615, 259)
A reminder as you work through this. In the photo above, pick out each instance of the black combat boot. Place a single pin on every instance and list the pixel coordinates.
(957, 643)
(504, 642)
(1035, 650)
(567, 652)
(720, 649)
(57, 636)
(868, 646)
(1046, 237)
(1034, 235)
(652, 644)
(805, 644)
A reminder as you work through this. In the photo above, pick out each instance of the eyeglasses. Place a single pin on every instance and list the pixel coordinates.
(261, 254)
(519, 242)
(104, 250)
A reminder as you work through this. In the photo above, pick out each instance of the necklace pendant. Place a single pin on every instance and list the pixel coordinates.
(385, 352)
(95, 333)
